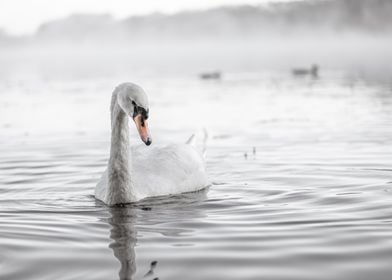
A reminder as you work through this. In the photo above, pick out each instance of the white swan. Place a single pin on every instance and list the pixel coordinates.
(137, 172)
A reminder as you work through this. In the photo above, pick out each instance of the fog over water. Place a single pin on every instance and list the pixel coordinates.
(349, 34)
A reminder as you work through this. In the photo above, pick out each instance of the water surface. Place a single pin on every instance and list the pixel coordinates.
(300, 171)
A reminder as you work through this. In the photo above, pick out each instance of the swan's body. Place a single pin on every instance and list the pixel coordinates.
(138, 172)
(158, 171)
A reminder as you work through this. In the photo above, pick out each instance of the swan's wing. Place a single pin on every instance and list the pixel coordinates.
(166, 170)
(203, 147)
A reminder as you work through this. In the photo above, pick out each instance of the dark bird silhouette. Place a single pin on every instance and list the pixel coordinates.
(312, 71)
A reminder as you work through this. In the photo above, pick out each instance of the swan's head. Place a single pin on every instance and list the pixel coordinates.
(134, 102)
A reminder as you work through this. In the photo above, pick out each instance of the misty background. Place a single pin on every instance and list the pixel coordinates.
(353, 35)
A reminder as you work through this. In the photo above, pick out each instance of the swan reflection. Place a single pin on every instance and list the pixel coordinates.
(124, 233)
(148, 215)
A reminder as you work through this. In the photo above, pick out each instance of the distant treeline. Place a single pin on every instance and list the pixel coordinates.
(371, 17)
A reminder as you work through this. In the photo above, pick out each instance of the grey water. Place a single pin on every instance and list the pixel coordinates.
(300, 171)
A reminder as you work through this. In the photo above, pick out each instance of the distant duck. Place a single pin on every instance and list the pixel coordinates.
(216, 75)
(312, 71)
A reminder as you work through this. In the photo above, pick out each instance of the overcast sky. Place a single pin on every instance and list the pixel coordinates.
(19, 17)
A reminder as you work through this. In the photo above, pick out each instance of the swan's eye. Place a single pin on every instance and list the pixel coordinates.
(144, 113)
(139, 110)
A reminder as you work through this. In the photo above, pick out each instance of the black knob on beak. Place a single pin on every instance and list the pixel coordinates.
(148, 141)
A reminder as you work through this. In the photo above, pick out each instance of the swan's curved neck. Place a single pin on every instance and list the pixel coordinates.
(119, 174)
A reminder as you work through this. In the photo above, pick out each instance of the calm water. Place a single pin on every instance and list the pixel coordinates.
(301, 174)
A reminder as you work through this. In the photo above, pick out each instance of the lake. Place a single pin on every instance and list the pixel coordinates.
(300, 171)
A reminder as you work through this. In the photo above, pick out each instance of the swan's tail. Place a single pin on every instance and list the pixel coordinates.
(203, 148)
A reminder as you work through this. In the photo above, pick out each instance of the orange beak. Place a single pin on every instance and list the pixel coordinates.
(142, 128)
